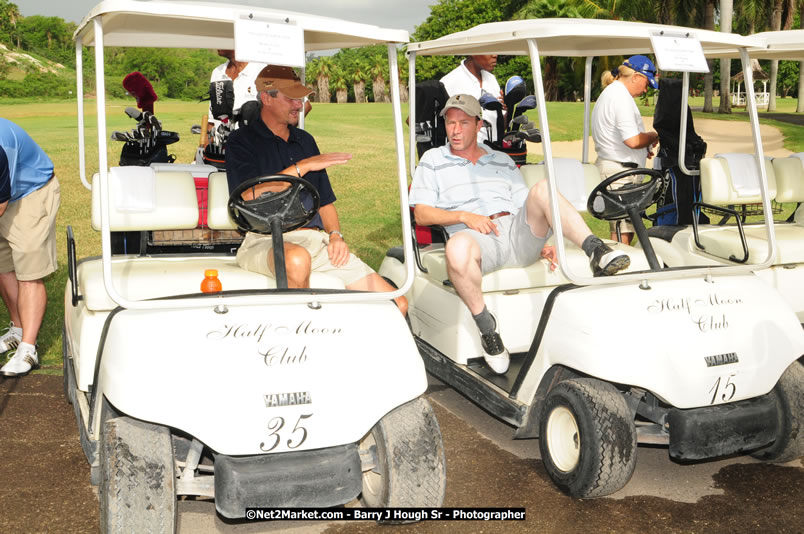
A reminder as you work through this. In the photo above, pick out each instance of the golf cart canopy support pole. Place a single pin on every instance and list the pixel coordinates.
(587, 107)
(79, 91)
(412, 110)
(682, 139)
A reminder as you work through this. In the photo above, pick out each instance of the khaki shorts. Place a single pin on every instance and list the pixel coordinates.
(28, 234)
(253, 255)
(608, 168)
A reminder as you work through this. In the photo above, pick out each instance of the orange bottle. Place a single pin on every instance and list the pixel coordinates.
(210, 283)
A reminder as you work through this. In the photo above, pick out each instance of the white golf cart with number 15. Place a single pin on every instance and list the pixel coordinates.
(259, 395)
(702, 359)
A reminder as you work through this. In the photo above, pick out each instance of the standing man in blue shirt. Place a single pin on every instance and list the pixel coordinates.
(29, 201)
(274, 145)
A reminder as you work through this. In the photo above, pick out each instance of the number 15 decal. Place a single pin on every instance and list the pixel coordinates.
(723, 391)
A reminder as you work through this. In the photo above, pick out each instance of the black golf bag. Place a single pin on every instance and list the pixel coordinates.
(431, 96)
(675, 205)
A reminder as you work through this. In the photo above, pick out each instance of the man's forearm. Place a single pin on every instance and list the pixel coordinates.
(429, 216)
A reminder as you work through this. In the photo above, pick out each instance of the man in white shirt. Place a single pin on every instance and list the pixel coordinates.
(242, 75)
(473, 77)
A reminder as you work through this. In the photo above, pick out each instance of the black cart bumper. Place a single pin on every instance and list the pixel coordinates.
(305, 479)
(714, 431)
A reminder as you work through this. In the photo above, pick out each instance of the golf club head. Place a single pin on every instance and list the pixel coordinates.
(529, 102)
(512, 82)
(520, 119)
(528, 125)
(120, 136)
(195, 129)
(488, 101)
(532, 134)
(134, 113)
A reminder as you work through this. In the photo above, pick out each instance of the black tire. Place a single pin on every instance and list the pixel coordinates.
(587, 438)
(137, 487)
(410, 468)
(789, 394)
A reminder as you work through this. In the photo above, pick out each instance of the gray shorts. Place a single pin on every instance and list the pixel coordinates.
(516, 246)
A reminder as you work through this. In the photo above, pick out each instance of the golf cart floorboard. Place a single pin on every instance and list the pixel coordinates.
(479, 384)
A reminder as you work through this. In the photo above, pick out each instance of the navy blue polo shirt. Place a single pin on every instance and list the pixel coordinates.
(254, 150)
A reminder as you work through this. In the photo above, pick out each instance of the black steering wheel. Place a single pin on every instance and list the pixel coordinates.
(281, 209)
(612, 204)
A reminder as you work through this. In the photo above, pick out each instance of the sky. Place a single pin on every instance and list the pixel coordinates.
(403, 15)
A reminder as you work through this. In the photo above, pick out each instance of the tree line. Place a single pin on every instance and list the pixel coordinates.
(361, 75)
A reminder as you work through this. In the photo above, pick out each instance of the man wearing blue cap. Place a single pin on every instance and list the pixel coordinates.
(621, 141)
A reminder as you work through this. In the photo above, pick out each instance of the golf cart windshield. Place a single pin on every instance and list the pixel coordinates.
(211, 26)
(591, 38)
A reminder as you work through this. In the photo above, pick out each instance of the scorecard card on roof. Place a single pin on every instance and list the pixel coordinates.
(273, 43)
(678, 52)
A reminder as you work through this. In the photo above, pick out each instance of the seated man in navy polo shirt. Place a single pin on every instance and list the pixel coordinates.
(274, 145)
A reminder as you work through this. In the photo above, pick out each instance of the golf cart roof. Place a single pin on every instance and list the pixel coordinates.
(182, 24)
(570, 37)
(786, 44)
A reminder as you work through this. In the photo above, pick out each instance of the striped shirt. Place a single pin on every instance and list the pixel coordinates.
(449, 182)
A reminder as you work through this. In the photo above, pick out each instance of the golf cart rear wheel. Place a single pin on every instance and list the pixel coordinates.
(587, 438)
(409, 469)
(137, 486)
(789, 394)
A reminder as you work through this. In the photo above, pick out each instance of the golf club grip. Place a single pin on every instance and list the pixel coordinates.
(204, 130)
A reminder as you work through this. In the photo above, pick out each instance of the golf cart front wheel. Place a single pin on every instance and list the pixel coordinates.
(403, 459)
(137, 486)
(587, 438)
(789, 395)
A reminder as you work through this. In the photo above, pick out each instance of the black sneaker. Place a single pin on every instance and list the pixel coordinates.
(495, 353)
(606, 261)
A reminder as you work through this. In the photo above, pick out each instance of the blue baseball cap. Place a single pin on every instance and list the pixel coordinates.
(644, 66)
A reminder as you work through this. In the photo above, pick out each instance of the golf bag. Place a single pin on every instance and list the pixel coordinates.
(430, 99)
(682, 190)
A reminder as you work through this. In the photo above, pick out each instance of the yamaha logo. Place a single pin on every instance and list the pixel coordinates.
(721, 359)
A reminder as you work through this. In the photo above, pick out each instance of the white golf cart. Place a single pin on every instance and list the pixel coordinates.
(703, 360)
(730, 190)
(257, 395)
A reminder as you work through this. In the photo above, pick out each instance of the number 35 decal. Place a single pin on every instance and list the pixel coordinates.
(297, 436)
(723, 390)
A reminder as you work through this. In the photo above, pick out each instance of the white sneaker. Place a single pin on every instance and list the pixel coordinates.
(23, 362)
(11, 338)
(494, 352)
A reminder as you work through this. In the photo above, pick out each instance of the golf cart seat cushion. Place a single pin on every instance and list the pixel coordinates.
(724, 242)
(718, 188)
(535, 275)
(789, 179)
(218, 203)
(142, 199)
(575, 180)
(154, 277)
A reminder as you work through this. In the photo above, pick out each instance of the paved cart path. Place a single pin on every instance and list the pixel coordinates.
(44, 481)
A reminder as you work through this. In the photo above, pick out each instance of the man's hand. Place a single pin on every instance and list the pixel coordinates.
(549, 253)
(321, 162)
(338, 250)
(479, 223)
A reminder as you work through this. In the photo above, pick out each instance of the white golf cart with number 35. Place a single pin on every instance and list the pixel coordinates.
(258, 395)
(705, 360)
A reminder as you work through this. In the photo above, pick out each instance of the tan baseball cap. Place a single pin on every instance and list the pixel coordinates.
(282, 79)
(466, 103)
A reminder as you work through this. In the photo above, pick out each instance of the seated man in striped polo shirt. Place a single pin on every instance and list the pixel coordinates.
(493, 220)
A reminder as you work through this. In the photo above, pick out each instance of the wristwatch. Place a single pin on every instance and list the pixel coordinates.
(336, 232)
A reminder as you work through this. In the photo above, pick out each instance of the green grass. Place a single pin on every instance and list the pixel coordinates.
(366, 186)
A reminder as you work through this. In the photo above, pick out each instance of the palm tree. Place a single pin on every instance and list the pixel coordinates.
(340, 85)
(402, 69)
(726, 11)
(359, 76)
(378, 75)
(709, 24)
(323, 70)
(781, 19)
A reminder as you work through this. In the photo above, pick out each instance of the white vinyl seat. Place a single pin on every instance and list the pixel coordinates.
(166, 200)
(575, 182)
(785, 184)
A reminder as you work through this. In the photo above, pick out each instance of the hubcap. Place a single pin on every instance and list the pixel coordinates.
(372, 478)
(563, 439)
